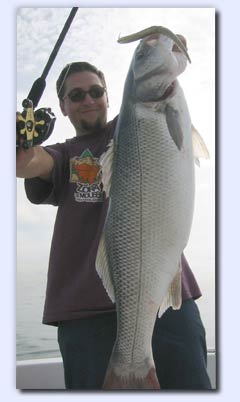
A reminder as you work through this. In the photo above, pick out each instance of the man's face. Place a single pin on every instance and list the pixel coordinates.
(89, 114)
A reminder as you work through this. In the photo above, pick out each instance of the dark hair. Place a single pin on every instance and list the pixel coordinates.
(75, 68)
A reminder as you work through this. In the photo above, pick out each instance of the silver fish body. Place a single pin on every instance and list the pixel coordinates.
(151, 209)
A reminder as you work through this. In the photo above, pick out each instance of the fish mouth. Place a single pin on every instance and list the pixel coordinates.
(147, 75)
(168, 92)
(156, 30)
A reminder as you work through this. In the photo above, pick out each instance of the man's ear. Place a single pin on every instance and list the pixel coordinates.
(62, 107)
(107, 99)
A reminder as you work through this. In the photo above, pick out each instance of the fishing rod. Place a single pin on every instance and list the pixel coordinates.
(34, 127)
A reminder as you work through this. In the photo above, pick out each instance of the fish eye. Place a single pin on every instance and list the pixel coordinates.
(143, 50)
(140, 54)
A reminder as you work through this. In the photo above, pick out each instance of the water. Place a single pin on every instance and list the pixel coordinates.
(35, 340)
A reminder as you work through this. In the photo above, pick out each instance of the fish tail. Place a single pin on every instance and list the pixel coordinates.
(117, 380)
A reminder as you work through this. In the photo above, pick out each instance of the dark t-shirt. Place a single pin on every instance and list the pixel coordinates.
(74, 289)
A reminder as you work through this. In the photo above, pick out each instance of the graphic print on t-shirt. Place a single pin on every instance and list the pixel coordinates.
(85, 171)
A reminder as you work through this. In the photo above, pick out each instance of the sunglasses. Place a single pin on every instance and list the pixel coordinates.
(78, 94)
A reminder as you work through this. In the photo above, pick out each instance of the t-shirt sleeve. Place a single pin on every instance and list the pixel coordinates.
(40, 191)
(190, 288)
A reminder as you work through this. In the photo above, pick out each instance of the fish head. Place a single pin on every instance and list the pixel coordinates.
(158, 60)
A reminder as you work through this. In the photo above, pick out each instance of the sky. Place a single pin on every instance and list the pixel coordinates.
(228, 67)
(93, 37)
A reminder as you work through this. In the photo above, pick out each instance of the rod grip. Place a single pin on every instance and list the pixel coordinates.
(36, 91)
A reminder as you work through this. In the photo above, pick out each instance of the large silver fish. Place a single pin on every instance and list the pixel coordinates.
(150, 166)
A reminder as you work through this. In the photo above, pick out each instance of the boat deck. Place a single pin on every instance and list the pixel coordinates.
(44, 374)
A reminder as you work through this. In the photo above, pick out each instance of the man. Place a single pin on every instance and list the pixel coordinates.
(68, 175)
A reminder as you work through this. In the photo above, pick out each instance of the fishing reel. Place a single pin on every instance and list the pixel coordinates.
(34, 127)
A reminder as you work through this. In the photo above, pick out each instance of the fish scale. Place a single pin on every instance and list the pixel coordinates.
(130, 240)
(147, 226)
(143, 224)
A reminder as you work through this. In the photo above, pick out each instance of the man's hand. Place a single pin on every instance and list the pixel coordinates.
(184, 42)
(33, 162)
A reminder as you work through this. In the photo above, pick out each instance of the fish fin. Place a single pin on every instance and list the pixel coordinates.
(174, 126)
(119, 381)
(173, 297)
(106, 161)
(199, 147)
(102, 268)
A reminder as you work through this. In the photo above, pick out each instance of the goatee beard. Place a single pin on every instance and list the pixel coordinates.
(89, 128)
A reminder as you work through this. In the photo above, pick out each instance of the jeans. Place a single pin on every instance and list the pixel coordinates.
(178, 342)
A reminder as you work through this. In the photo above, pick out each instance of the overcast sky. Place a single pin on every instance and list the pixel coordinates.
(93, 37)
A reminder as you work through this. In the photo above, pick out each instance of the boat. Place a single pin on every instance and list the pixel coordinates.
(48, 374)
